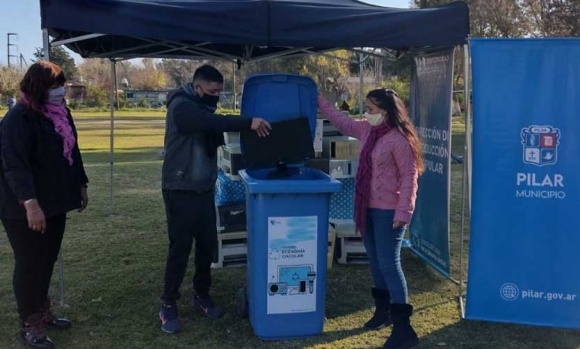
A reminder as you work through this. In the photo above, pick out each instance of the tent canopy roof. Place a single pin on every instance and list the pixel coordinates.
(245, 29)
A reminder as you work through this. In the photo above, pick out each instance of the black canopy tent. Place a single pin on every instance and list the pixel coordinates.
(248, 30)
(244, 29)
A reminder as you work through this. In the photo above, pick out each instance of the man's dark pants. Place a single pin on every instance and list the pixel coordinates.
(190, 215)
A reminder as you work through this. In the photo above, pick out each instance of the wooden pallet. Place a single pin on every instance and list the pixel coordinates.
(232, 250)
(351, 246)
(352, 251)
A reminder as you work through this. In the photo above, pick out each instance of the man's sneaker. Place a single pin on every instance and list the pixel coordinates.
(207, 306)
(169, 318)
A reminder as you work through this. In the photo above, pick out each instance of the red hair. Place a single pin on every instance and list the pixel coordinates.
(39, 78)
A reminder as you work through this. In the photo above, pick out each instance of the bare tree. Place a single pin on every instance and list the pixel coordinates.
(553, 17)
(148, 76)
(498, 18)
(9, 79)
(179, 71)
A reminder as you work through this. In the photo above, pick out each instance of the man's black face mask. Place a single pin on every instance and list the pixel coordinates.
(209, 100)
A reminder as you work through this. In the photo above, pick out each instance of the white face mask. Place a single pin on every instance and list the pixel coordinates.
(374, 119)
(56, 95)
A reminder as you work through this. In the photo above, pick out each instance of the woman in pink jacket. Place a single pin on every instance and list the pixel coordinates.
(385, 193)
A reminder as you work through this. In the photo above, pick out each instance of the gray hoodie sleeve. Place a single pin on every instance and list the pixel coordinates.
(189, 117)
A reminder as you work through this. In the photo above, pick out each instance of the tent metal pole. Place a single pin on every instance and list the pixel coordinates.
(234, 85)
(45, 45)
(116, 83)
(112, 130)
(360, 91)
(469, 134)
(466, 172)
(76, 39)
(46, 57)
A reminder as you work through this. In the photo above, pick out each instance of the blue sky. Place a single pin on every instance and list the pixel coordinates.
(23, 17)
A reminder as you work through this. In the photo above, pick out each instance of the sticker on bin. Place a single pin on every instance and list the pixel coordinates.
(292, 243)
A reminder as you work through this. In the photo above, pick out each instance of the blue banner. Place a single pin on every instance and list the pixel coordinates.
(525, 223)
(430, 107)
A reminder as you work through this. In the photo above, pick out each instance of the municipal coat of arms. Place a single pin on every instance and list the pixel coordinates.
(540, 145)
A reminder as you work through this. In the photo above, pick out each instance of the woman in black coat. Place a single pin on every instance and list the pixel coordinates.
(41, 179)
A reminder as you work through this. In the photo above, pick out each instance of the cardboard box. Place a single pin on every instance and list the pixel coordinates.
(340, 147)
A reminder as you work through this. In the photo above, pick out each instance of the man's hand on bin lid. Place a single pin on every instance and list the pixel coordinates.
(261, 126)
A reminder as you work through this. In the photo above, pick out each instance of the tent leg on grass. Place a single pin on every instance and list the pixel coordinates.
(465, 197)
(112, 132)
(46, 56)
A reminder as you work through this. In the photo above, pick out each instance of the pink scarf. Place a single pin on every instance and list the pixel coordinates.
(364, 175)
(57, 114)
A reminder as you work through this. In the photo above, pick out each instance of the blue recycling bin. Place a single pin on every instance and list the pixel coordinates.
(287, 208)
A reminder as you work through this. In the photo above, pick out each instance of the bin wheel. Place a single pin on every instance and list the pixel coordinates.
(242, 303)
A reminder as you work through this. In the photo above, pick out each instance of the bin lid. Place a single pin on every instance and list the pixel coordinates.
(278, 97)
(289, 142)
(290, 103)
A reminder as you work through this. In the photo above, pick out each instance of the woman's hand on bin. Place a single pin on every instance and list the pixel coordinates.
(261, 126)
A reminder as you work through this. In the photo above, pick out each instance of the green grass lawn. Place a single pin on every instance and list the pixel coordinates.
(114, 268)
(82, 114)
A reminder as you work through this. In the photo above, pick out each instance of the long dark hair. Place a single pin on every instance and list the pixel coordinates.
(39, 78)
(389, 101)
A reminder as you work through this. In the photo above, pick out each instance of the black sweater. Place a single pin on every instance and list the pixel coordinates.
(193, 134)
(32, 165)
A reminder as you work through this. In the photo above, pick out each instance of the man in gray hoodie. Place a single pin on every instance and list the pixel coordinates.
(193, 133)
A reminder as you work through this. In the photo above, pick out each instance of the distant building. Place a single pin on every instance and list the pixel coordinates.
(155, 98)
(76, 92)
(159, 98)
